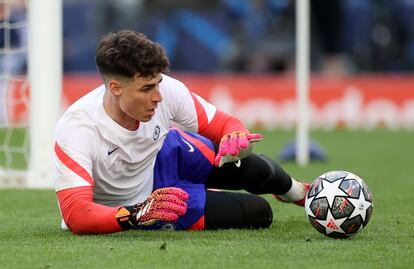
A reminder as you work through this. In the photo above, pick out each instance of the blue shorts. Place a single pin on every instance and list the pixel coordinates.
(185, 161)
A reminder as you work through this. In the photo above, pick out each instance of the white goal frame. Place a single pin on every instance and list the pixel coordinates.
(45, 78)
(302, 80)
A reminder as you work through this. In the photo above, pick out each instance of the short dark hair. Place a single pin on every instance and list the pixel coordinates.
(127, 53)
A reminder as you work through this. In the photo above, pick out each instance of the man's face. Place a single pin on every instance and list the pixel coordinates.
(140, 96)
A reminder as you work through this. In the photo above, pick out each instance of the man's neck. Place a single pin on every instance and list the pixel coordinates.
(115, 113)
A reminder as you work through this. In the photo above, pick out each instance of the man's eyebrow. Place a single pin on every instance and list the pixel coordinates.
(147, 86)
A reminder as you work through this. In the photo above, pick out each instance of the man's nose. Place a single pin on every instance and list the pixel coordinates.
(157, 97)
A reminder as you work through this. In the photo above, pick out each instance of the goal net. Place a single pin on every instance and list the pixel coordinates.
(13, 93)
(30, 86)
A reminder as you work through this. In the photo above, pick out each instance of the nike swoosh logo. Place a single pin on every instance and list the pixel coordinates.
(111, 151)
(238, 163)
(190, 147)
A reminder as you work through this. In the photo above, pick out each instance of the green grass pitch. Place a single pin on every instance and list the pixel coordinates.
(30, 236)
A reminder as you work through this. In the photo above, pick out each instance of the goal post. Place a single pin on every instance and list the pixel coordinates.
(302, 80)
(45, 79)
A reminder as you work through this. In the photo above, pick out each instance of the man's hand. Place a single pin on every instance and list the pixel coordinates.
(165, 204)
(235, 146)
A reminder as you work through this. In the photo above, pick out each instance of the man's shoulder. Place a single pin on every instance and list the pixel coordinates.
(82, 112)
(171, 83)
(90, 102)
(73, 121)
(90, 99)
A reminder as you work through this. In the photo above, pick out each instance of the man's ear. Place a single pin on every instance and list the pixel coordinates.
(115, 87)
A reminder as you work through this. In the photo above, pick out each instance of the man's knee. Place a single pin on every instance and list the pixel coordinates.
(225, 210)
(265, 176)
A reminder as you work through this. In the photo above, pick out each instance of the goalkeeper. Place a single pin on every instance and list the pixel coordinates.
(121, 165)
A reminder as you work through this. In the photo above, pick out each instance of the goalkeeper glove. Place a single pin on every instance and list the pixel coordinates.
(165, 204)
(235, 146)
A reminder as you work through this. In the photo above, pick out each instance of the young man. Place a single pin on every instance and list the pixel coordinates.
(121, 166)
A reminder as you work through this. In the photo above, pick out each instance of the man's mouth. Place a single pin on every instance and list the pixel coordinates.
(151, 111)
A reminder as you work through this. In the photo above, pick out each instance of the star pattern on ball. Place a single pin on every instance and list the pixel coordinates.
(330, 190)
(331, 224)
(308, 202)
(361, 205)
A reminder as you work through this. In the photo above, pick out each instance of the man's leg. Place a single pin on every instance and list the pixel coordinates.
(257, 174)
(226, 210)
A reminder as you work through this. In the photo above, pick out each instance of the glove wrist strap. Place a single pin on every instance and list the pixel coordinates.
(126, 216)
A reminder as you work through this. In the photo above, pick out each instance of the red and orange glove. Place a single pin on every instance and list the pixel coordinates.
(165, 204)
(235, 146)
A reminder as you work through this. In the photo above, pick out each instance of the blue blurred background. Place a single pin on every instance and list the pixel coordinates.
(255, 36)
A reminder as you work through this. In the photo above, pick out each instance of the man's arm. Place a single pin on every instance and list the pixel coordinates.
(233, 137)
(195, 114)
(83, 216)
(221, 124)
(74, 185)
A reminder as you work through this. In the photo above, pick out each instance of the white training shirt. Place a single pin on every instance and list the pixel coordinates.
(119, 162)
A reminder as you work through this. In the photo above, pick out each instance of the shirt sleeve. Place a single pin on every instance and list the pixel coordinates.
(83, 216)
(74, 153)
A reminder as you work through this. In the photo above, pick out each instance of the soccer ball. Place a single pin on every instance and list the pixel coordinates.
(338, 204)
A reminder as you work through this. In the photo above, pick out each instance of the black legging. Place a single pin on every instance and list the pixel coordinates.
(225, 210)
(257, 174)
